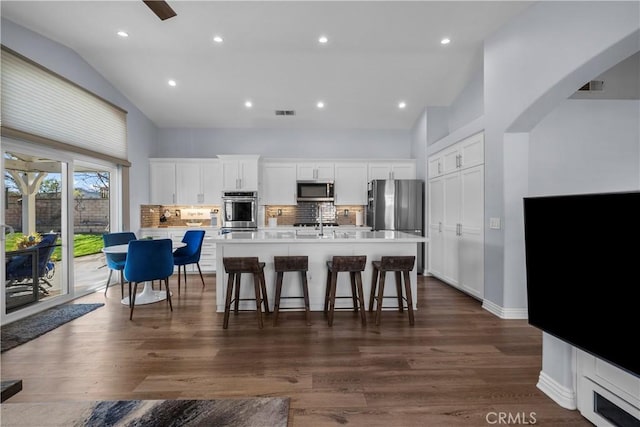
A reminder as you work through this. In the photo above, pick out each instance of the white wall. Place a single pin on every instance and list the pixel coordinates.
(309, 143)
(141, 132)
(469, 104)
(586, 146)
(419, 145)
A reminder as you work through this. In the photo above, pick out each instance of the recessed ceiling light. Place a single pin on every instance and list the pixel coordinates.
(218, 39)
(402, 104)
(445, 41)
(172, 83)
(323, 39)
(123, 34)
(248, 104)
(320, 104)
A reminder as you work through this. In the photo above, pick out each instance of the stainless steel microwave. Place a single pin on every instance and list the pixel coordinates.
(314, 191)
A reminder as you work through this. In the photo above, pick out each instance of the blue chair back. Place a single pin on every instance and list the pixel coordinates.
(191, 253)
(20, 266)
(149, 260)
(116, 261)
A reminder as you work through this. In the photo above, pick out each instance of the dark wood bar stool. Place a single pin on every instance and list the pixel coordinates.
(235, 266)
(283, 264)
(354, 265)
(401, 265)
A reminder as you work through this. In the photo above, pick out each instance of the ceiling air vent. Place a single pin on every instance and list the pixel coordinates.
(593, 86)
(285, 112)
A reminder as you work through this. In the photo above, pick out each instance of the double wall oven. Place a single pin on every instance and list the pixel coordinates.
(240, 210)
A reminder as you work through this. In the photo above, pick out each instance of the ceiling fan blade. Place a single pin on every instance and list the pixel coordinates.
(160, 8)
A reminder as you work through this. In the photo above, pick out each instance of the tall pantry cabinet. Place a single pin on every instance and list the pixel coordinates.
(456, 215)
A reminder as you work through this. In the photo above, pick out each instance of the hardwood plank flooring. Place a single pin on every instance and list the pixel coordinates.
(458, 365)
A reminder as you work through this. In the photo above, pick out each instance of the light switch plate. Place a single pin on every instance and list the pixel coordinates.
(494, 223)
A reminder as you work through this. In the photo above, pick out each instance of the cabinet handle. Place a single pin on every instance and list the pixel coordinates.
(439, 167)
(173, 197)
(440, 227)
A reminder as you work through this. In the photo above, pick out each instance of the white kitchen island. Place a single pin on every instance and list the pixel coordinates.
(266, 244)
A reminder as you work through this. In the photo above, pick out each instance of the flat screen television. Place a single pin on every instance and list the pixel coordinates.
(583, 272)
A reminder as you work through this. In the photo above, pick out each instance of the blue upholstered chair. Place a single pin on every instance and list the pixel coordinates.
(189, 254)
(116, 261)
(148, 260)
(19, 267)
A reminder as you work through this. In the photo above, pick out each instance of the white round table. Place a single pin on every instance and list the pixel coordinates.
(148, 295)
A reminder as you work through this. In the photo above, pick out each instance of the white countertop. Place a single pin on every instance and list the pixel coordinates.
(334, 235)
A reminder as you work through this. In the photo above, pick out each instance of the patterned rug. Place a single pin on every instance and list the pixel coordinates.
(255, 412)
(24, 330)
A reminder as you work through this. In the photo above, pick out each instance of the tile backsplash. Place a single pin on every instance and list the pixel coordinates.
(308, 212)
(150, 215)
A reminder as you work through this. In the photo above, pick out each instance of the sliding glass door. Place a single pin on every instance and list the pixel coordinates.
(34, 215)
(54, 211)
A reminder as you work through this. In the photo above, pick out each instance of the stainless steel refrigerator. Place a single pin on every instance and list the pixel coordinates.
(398, 204)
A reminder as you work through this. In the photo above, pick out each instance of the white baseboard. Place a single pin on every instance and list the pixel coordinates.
(560, 394)
(504, 313)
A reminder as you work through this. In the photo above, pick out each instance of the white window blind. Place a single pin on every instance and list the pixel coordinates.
(38, 102)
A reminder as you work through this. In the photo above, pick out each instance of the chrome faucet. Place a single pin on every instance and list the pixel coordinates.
(320, 219)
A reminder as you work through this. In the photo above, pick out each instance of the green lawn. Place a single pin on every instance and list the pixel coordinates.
(83, 244)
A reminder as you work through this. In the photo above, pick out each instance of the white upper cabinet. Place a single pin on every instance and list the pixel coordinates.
(185, 181)
(392, 170)
(317, 171)
(464, 154)
(239, 172)
(162, 174)
(278, 184)
(351, 183)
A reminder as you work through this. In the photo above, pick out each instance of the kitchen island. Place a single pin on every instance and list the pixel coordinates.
(320, 248)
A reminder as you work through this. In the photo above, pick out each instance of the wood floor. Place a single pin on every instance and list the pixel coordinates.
(458, 366)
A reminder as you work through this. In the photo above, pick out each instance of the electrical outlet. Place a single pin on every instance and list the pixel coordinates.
(346, 212)
(495, 223)
(279, 212)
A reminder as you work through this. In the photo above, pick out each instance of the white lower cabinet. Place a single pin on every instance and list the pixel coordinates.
(456, 229)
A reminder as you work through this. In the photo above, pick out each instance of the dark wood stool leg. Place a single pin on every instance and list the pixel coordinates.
(374, 284)
(354, 292)
(276, 303)
(332, 295)
(399, 290)
(327, 292)
(407, 285)
(383, 275)
(363, 315)
(166, 286)
(263, 286)
(237, 300)
(227, 303)
(305, 292)
(257, 288)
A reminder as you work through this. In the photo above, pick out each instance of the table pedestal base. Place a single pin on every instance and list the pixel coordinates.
(147, 296)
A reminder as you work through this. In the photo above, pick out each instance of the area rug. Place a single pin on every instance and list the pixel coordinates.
(258, 412)
(24, 330)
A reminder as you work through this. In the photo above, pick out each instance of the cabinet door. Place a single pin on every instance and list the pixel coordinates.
(163, 183)
(278, 184)
(451, 221)
(211, 182)
(306, 171)
(248, 174)
(188, 183)
(230, 175)
(436, 224)
(471, 251)
(404, 170)
(450, 159)
(379, 171)
(472, 151)
(351, 184)
(325, 171)
(435, 166)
